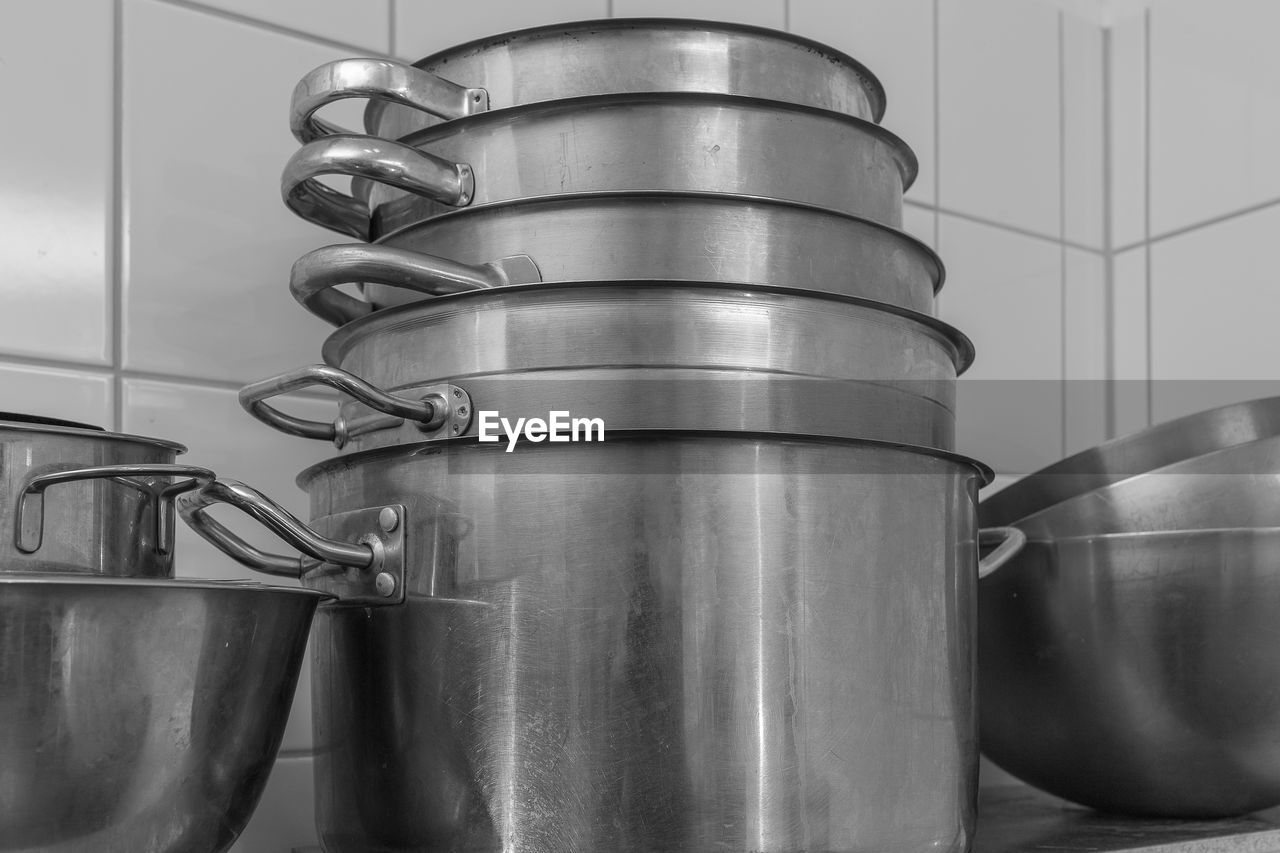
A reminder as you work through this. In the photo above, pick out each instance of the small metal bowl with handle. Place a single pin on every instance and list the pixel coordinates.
(77, 499)
(1137, 673)
(606, 57)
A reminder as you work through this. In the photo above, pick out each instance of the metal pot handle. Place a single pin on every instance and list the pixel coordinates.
(194, 505)
(391, 163)
(442, 410)
(1011, 541)
(377, 79)
(316, 273)
(28, 524)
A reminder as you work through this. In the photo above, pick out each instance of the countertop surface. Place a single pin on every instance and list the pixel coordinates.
(1017, 819)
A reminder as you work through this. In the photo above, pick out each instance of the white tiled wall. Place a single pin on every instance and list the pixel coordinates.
(1102, 197)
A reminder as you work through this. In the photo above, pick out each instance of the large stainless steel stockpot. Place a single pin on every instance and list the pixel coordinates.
(589, 58)
(667, 143)
(639, 355)
(1128, 456)
(109, 503)
(665, 641)
(672, 237)
(141, 716)
(1137, 673)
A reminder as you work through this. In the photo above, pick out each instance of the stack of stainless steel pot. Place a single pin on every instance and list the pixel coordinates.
(742, 619)
(137, 711)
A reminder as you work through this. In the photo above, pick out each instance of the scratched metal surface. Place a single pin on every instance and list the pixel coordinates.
(1018, 819)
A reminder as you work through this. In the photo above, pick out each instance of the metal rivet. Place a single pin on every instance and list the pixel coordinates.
(456, 429)
(388, 518)
(385, 584)
(462, 411)
(457, 392)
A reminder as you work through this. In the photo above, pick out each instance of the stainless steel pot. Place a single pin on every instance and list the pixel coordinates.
(1137, 673)
(141, 716)
(1146, 450)
(664, 236)
(639, 355)
(1232, 487)
(109, 503)
(651, 143)
(588, 58)
(666, 641)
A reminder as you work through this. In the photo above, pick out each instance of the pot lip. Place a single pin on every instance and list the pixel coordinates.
(1005, 502)
(1158, 535)
(521, 115)
(874, 88)
(985, 473)
(341, 339)
(58, 426)
(729, 200)
(69, 579)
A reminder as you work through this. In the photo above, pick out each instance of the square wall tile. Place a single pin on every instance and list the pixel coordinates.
(1084, 305)
(1083, 138)
(1000, 146)
(1215, 129)
(365, 23)
(286, 814)
(208, 243)
(1125, 47)
(760, 13)
(72, 395)
(1213, 316)
(1004, 290)
(893, 38)
(426, 26)
(56, 174)
(1131, 367)
(220, 436)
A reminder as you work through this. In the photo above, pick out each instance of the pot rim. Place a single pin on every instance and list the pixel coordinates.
(728, 199)
(587, 105)
(1157, 535)
(985, 473)
(57, 426)
(335, 346)
(100, 581)
(874, 88)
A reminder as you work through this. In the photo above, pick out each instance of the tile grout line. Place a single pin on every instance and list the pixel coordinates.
(1062, 217)
(391, 28)
(1146, 204)
(786, 15)
(608, 8)
(1204, 223)
(1013, 229)
(192, 6)
(937, 127)
(1108, 257)
(117, 238)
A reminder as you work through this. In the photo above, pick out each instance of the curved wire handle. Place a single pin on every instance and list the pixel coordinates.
(28, 524)
(1011, 540)
(378, 80)
(392, 163)
(317, 273)
(193, 506)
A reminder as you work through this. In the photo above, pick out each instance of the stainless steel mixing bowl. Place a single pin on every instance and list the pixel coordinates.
(141, 716)
(1137, 673)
